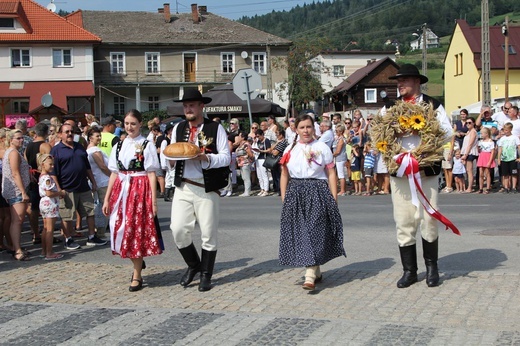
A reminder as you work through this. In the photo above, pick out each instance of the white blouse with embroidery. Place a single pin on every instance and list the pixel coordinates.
(128, 152)
(308, 161)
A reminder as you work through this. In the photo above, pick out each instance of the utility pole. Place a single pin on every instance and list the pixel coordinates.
(485, 55)
(424, 87)
(505, 31)
(269, 95)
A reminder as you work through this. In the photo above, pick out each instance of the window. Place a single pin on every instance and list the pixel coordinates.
(61, 57)
(339, 70)
(512, 50)
(21, 57)
(152, 63)
(458, 64)
(6, 23)
(21, 107)
(228, 62)
(117, 63)
(370, 95)
(153, 103)
(119, 105)
(259, 63)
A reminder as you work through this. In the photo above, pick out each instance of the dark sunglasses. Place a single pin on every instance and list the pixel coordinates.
(469, 122)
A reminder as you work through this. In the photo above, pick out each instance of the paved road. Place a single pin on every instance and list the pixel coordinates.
(84, 300)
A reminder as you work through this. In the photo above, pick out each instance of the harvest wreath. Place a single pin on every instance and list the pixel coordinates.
(405, 119)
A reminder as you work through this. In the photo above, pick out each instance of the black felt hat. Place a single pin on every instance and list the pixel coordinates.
(409, 70)
(193, 95)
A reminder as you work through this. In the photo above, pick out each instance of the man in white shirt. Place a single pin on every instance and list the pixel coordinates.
(197, 181)
(407, 217)
(502, 117)
(327, 136)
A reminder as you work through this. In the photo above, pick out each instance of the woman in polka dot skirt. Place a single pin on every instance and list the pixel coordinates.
(311, 228)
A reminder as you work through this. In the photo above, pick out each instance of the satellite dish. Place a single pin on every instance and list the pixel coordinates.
(244, 55)
(47, 100)
(51, 7)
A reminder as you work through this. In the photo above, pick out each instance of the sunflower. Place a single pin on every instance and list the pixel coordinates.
(417, 122)
(382, 146)
(404, 122)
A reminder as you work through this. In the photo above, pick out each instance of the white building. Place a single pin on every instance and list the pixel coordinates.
(339, 65)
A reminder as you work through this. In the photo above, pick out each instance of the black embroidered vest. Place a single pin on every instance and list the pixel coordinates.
(214, 178)
(136, 164)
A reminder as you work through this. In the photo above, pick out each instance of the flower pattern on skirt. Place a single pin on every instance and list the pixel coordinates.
(139, 237)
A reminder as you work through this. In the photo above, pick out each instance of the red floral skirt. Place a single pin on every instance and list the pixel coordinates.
(133, 234)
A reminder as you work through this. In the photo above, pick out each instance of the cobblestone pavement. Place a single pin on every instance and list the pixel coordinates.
(84, 299)
(64, 303)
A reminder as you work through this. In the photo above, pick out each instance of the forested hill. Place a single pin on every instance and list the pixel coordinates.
(369, 24)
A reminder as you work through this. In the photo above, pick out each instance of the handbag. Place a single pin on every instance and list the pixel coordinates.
(271, 161)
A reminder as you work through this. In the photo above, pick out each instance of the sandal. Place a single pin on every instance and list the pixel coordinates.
(53, 257)
(21, 256)
(480, 191)
(37, 240)
(486, 191)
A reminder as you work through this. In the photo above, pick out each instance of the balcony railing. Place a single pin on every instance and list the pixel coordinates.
(166, 77)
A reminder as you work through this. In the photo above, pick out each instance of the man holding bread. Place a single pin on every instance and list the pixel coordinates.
(201, 153)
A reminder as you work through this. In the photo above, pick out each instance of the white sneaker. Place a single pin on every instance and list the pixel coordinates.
(223, 193)
(229, 193)
(243, 195)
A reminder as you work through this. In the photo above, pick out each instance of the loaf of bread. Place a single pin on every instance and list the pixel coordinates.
(181, 149)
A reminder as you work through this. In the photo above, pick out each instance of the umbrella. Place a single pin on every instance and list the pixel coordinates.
(225, 101)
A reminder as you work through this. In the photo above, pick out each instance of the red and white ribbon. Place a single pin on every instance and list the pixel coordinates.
(409, 166)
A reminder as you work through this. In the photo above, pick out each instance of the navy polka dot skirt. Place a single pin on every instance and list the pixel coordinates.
(311, 228)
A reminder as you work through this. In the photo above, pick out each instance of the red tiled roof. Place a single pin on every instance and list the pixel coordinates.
(35, 90)
(496, 44)
(75, 17)
(46, 26)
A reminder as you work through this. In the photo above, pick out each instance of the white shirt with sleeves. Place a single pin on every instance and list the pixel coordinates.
(299, 166)
(193, 168)
(128, 151)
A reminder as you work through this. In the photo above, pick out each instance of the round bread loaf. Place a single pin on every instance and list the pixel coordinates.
(181, 149)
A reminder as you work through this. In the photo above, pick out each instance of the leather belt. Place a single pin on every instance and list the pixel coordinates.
(188, 181)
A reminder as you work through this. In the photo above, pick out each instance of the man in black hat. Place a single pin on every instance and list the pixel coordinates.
(407, 217)
(197, 181)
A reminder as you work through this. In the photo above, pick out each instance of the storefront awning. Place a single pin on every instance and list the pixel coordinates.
(34, 91)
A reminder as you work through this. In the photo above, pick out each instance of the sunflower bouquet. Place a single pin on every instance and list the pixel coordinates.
(404, 119)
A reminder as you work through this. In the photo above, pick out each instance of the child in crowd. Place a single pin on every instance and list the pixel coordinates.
(49, 204)
(368, 168)
(355, 169)
(486, 160)
(458, 172)
(507, 155)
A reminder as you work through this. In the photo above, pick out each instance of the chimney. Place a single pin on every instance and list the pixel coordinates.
(167, 14)
(195, 13)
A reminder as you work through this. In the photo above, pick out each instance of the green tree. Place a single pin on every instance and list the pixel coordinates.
(303, 84)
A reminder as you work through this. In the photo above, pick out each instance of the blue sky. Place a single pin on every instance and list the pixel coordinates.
(232, 9)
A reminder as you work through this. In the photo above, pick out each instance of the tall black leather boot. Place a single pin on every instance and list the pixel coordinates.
(409, 261)
(192, 259)
(168, 195)
(431, 254)
(206, 271)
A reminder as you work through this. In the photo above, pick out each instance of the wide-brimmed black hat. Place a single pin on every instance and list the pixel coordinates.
(193, 95)
(409, 70)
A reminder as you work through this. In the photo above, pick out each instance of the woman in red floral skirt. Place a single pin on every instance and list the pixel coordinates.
(131, 198)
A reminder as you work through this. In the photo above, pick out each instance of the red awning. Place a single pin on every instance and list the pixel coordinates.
(34, 91)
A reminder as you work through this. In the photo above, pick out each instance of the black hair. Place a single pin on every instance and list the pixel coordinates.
(93, 130)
